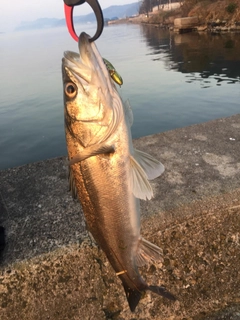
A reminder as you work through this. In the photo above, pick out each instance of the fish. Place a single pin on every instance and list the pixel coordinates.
(106, 173)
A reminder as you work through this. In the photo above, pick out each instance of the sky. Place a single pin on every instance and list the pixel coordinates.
(14, 11)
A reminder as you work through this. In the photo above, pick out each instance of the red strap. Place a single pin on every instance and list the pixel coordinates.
(69, 20)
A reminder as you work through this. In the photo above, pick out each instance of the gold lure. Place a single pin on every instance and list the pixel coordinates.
(113, 73)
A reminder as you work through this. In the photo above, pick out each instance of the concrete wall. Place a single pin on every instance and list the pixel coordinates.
(50, 269)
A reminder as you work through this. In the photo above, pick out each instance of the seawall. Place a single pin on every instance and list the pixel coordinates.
(50, 270)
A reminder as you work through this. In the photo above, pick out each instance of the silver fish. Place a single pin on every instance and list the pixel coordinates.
(106, 173)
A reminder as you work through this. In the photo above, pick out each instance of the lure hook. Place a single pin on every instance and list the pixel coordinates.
(68, 10)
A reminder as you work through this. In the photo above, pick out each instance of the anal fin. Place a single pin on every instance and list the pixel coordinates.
(146, 252)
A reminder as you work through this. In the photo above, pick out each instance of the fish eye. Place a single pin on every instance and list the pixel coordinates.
(71, 90)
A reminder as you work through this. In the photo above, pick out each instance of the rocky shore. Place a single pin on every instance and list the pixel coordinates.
(215, 17)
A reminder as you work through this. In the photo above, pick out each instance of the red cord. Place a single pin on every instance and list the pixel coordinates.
(69, 21)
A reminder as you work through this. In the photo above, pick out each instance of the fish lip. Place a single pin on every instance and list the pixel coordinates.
(71, 58)
(71, 61)
(84, 63)
(84, 39)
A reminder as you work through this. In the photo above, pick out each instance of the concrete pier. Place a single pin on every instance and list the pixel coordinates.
(50, 270)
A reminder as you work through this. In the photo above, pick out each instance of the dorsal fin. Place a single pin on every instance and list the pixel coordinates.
(128, 112)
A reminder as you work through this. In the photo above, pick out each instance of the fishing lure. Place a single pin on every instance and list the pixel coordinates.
(113, 73)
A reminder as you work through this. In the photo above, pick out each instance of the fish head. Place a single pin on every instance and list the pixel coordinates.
(88, 93)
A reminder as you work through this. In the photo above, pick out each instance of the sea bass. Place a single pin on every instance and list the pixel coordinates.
(106, 173)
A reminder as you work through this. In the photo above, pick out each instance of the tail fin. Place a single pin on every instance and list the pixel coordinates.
(162, 292)
(133, 297)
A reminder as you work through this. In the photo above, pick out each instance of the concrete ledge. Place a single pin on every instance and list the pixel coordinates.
(49, 270)
(186, 24)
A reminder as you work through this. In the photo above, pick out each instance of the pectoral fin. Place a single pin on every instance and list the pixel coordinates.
(152, 167)
(92, 151)
(140, 185)
(146, 252)
(71, 183)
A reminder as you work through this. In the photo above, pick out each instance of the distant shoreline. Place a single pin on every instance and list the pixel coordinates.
(164, 17)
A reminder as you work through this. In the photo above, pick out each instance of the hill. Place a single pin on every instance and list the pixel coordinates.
(119, 12)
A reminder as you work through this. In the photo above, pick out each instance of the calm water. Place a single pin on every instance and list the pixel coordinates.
(171, 81)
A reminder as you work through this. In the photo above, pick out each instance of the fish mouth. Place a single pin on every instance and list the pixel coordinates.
(83, 45)
(88, 61)
(71, 61)
(87, 66)
(71, 57)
